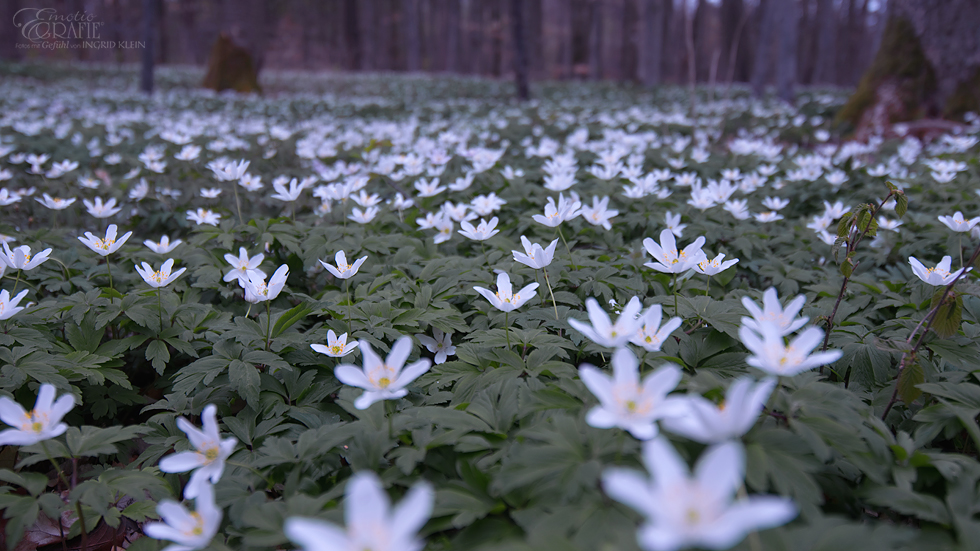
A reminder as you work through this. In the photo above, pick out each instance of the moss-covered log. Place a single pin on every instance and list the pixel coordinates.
(230, 67)
(928, 65)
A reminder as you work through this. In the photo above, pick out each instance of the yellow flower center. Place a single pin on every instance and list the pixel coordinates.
(104, 244)
(158, 276)
(383, 382)
(631, 406)
(211, 454)
(692, 516)
(336, 349)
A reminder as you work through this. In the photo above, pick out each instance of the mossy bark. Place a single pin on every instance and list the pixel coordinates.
(928, 65)
(230, 67)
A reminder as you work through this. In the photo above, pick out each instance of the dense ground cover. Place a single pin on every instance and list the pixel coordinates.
(872, 446)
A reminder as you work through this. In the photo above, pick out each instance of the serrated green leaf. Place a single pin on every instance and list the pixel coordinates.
(911, 376)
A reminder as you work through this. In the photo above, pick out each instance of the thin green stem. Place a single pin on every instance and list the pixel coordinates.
(24, 282)
(551, 292)
(108, 267)
(961, 251)
(238, 204)
(160, 306)
(268, 325)
(571, 261)
(707, 287)
(674, 287)
(16, 283)
(349, 331)
(507, 328)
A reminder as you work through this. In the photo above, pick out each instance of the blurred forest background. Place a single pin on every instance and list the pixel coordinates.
(827, 42)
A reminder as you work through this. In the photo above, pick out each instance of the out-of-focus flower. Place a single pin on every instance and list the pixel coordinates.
(625, 401)
(372, 524)
(188, 530)
(382, 380)
(440, 344)
(41, 423)
(207, 460)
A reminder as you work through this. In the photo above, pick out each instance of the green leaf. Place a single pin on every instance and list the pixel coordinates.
(245, 379)
(946, 323)
(290, 317)
(158, 354)
(911, 376)
(844, 226)
(901, 204)
(847, 267)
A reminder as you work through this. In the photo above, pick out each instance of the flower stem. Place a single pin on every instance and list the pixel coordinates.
(507, 328)
(674, 286)
(160, 306)
(238, 204)
(347, 282)
(268, 325)
(571, 261)
(707, 287)
(108, 267)
(551, 292)
(16, 283)
(961, 251)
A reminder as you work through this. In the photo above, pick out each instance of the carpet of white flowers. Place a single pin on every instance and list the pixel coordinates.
(392, 313)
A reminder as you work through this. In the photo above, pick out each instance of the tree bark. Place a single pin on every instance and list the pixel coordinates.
(595, 39)
(928, 65)
(149, 26)
(520, 50)
(762, 65)
(788, 25)
(649, 58)
(824, 67)
(410, 34)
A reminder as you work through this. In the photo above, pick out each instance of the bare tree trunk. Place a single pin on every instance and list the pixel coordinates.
(149, 25)
(733, 51)
(520, 50)
(762, 66)
(691, 67)
(595, 39)
(453, 42)
(788, 25)
(364, 14)
(8, 39)
(824, 65)
(650, 42)
(410, 34)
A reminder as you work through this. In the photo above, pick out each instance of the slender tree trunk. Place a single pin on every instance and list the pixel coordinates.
(649, 41)
(520, 50)
(691, 67)
(788, 25)
(410, 34)
(365, 21)
(762, 66)
(8, 39)
(453, 42)
(595, 39)
(149, 25)
(824, 66)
